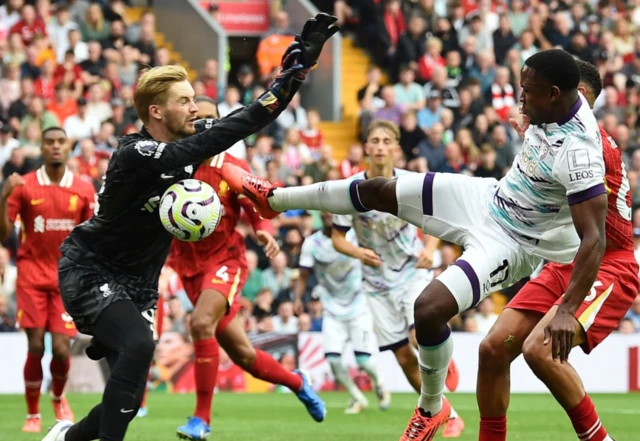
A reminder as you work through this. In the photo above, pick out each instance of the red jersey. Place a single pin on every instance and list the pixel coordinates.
(191, 258)
(29, 32)
(47, 214)
(619, 228)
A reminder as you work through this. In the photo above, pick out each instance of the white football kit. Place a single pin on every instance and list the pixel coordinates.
(507, 227)
(392, 288)
(345, 316)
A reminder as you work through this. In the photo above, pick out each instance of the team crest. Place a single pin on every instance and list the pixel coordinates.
(224, 189)
(73, 203)
(147, 148)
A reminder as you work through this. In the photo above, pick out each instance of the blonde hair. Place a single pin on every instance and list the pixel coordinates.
(384, 124)
(153, 87)
(99, 25)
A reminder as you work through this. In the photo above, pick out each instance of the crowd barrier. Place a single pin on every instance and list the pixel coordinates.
(613, 367)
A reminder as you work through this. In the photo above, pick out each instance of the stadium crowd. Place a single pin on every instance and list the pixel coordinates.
(453, 83)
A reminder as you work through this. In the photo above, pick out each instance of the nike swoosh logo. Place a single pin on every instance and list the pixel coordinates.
(126, 411)
(37, 201)
(163, 176)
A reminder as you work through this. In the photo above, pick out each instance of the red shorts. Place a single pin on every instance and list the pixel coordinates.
(43, 308)
(610, 298)
(228, 278)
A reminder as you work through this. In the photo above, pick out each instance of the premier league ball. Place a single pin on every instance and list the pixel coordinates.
(190, 210)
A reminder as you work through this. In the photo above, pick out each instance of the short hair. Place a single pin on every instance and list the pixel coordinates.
(558, 67)
(53, 129)
(590, 76)
(153, 86)
(386, 125)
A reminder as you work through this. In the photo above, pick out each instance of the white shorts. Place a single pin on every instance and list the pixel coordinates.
(454, 208)
(393, 311)
(336, 333)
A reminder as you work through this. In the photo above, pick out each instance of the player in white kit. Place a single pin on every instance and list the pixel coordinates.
(551, 205)
(345, 317)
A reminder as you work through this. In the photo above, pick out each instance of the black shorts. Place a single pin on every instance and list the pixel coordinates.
(87, 289)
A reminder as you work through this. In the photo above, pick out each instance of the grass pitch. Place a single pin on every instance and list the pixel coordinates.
(280, 417)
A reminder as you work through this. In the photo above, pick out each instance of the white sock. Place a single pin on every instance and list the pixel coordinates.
(332, 196)
(343, 377)
(367, 364)
(434, 363)
(453, 414)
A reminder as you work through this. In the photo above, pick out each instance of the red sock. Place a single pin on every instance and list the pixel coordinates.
(493, 428)
(206, 372)
(59, 373)
(268, 369)
(586, 422)
(32, 382)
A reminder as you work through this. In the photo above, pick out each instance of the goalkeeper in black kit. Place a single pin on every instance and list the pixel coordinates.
(110, 264)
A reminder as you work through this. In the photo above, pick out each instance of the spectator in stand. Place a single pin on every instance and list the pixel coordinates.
(410, 137)
(483, 35)
(315, 313)
(37, 114)
(18, 163)
(8, 276)
(134, 31)
(45, 84)
(293, 116)
(105, 140)
(518, 17)
(280, 25)
(93, 66)
(500, 143)
(454, 161)
(319, 168)
(297, 154)
(560, 35)
(431, 114)
(254, 279)
(80, 48)
(30, 25)
(391, 110)
(611, 106)
(246, 84)
(352, 164)
(431, 58)
(487, 167)
(95, 26)
(503, 97)
(30, 67)
(263, 305)
(411, 44)
(97, 107)
(579, 47)
(63, 105)
(128, 67)
(18, 108)
(7, 143)
(7, 319)
(311, 134)
(88, 159)
(278, 276)
(432, 148)
(441, 83)
(369, 100)
(470, 151)
(484, 71)
(269, 54)
(115, 42)
(118, 118)
(485, 317)
(147, 44)
(15, 52)
(209, 78)
(626, 326)
(407, 92)
(390, 26)
(447, 34)
(503, 39)
(9, 89)
(58, 31)
(78, 9)
(285, 322)
(82, 125)
(526, 45)
(9, 16)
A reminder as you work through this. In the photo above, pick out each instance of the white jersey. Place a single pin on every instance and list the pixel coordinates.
(560, 164)
(339, 277)
(394, 240)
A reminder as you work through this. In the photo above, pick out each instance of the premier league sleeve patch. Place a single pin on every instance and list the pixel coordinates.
(150, 148)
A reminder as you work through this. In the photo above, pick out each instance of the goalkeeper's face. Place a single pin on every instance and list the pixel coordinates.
(180, 112)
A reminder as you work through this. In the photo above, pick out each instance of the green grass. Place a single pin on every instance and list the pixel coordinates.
(280, 417)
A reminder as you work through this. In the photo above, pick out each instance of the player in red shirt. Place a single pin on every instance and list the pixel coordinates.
(213, 272)
(49, 203)
(522, 327)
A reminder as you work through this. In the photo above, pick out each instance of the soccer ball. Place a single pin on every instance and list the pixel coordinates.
(190, 210)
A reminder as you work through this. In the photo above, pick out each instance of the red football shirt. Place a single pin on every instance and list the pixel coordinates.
(29, 32)
(191, 258)
(619, 228)
(47, 215)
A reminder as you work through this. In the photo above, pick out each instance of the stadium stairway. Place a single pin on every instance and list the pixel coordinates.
(134, 14)
(341, 134)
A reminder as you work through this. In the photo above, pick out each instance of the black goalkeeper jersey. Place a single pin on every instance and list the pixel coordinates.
(125, 237)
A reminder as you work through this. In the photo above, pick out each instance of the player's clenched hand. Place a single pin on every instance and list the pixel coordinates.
(520, 129)
(271, 247)
(560, 332)
(369, 257)
(13, 181)
(425, 259)
(314, 35)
